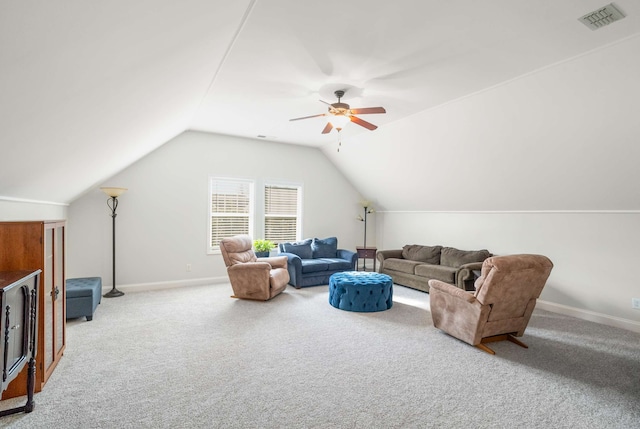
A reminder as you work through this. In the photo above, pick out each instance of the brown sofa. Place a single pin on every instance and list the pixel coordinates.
(414, 265)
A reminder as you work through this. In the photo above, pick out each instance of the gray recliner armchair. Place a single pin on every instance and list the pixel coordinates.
(252, 277)
(501, 306)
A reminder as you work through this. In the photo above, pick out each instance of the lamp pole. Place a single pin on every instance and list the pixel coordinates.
(112, 203)
(366, 206)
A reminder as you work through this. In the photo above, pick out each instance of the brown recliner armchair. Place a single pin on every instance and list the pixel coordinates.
(501, 306)
(251, 277)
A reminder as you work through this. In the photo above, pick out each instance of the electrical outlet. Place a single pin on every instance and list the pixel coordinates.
(635, 303)
(188, 267)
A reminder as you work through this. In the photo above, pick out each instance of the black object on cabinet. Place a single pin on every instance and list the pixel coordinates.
(18, 331)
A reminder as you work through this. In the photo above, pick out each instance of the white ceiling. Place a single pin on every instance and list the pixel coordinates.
(87, 88)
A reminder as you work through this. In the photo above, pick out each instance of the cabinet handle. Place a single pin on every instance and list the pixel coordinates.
(54, 293)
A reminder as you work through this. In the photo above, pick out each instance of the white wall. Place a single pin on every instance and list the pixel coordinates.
(161, 222)
(13, 210)
(545, 163)
(595, 255)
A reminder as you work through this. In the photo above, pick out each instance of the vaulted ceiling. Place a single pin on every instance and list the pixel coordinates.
(87, 88)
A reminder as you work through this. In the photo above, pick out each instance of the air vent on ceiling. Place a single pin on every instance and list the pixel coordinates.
(601, 17)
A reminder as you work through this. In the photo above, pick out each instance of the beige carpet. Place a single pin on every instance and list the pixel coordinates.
(194, 358)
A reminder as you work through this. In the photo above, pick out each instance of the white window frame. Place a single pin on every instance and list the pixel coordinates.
(211, 249)
(299, 217)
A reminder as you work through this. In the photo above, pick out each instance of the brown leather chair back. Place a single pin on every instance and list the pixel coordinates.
(237, 250)
(510, 284)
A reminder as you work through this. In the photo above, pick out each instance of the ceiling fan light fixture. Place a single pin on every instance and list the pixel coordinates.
(339, 121)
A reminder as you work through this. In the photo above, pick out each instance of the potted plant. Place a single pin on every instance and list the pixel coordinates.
(262, 247)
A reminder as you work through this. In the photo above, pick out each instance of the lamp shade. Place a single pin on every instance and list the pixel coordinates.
(339, 121)
(113, 192)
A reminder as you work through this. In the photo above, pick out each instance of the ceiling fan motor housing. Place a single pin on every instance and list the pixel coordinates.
(340, 106)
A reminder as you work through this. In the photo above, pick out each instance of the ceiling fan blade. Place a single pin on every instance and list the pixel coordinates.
(322, 101)
(307, 117)
(327, 129)
(367, 125)
(366, 110)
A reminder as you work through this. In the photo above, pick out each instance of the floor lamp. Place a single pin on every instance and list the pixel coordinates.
(112, 203)
(366, 205)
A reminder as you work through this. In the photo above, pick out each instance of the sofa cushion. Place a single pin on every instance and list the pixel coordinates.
(453, 257)
(300, 248)
(416, 252)
(326, 248)
(336, 264)
(401, 265)
(314, 265)
(438, 272)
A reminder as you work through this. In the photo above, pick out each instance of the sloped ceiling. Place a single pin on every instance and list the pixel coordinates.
(90, 87)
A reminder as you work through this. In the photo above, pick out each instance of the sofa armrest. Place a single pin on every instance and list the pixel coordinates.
(294, 266)
(465, 277)
(384, 254)
(348, 255)
(275, 261)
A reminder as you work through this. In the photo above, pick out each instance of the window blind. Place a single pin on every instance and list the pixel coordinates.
(281, 213)
(231, 202)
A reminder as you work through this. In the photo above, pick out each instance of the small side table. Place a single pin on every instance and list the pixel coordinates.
(366, 253)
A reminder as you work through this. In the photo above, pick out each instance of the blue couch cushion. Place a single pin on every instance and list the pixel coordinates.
(300, 248)
(336, 264)
(327, 248)
(314, 265)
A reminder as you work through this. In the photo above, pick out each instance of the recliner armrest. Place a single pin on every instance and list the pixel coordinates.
(275, 261)
(451, 290)
(248, 266)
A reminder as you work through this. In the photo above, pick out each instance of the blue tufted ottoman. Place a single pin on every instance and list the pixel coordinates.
(83, 296)
(361, 291)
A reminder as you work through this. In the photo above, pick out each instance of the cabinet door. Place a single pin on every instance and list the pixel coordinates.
(59, 291)
(48, 283)
(54, 296)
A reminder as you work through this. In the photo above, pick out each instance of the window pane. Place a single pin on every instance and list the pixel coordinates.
(280, 229)
(224, 227)
(280, 200)
(281, 211)
(230, 209)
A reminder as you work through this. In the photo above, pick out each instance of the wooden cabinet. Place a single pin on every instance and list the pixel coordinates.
(39, 245)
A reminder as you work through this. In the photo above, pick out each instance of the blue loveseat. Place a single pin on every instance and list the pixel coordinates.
(311, 262)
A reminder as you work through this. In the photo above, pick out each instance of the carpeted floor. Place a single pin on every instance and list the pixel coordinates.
(193, 357)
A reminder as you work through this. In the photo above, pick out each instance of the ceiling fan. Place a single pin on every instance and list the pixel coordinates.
(340, 114)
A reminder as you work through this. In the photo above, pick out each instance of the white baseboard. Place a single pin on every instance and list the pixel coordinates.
(143, 287)
(591, 316)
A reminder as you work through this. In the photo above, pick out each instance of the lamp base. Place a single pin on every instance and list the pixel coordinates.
(113, 293)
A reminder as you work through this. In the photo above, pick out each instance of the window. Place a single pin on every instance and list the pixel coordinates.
(232, 204)
(282, 212)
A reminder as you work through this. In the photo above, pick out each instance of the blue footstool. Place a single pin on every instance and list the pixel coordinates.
(83, 296)
(361, 291)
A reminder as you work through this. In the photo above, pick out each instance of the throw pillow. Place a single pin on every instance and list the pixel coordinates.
(416, 252)
(327, 248)
(300, 248)
(452, 257)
